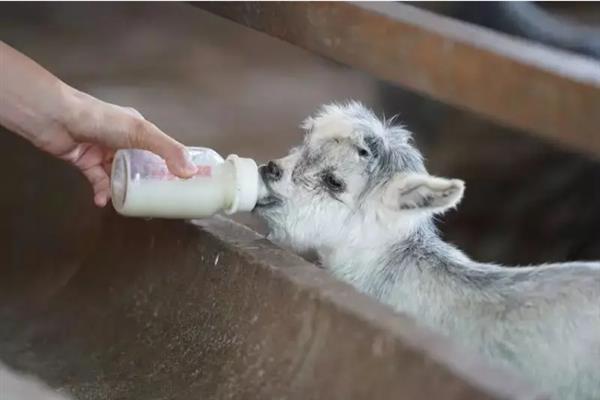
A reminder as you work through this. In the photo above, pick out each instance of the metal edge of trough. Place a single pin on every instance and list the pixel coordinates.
(553, 94)
(430, 359)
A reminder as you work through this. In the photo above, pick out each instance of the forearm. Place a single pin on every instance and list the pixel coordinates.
(32, 100)
(75, 126)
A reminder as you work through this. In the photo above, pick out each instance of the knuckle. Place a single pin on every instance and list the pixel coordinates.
(134, 112)
(180, 151)
(136, 131)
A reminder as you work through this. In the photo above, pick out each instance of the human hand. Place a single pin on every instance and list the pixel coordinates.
(77, 127)
(93, 129)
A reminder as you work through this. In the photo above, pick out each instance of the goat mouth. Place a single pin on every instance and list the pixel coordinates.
(267, 197)
(268, 202)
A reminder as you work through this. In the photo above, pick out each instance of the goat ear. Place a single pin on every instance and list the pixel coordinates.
(422, 192)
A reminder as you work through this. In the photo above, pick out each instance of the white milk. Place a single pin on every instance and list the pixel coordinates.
(142, 186)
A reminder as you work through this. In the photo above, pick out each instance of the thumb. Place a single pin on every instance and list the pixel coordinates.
(118, 127)
(147, 136)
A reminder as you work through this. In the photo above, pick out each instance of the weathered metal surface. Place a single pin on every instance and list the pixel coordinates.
(551, 93)
(105, 307)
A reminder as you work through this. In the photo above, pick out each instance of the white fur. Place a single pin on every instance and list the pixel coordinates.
(543, 322)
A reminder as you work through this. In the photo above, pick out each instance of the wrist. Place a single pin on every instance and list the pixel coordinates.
(74, 108)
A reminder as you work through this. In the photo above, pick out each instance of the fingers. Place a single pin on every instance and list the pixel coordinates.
(142, 134)
(94, 163)
(94, 121)
(100, 184)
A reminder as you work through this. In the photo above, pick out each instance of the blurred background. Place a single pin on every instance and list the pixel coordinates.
(90, 323)
(209, 82)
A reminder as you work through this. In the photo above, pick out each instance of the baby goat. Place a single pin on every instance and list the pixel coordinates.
(357, 194)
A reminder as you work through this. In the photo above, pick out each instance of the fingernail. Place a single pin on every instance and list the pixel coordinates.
(100, 200)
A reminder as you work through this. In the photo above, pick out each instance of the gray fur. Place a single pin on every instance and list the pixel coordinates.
(379, 235)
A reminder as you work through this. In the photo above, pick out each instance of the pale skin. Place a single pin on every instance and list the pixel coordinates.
(75, 126)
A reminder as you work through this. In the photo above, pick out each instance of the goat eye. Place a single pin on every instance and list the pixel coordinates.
(363, 152)
(333, 183)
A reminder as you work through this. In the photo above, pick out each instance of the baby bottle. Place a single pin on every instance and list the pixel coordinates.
(142, 185)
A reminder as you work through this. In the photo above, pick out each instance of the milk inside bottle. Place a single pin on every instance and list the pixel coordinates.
(142, 185)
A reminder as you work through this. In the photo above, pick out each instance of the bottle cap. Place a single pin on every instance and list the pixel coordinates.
(246, 184)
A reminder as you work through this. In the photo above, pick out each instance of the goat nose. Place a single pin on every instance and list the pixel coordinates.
(271, 171)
